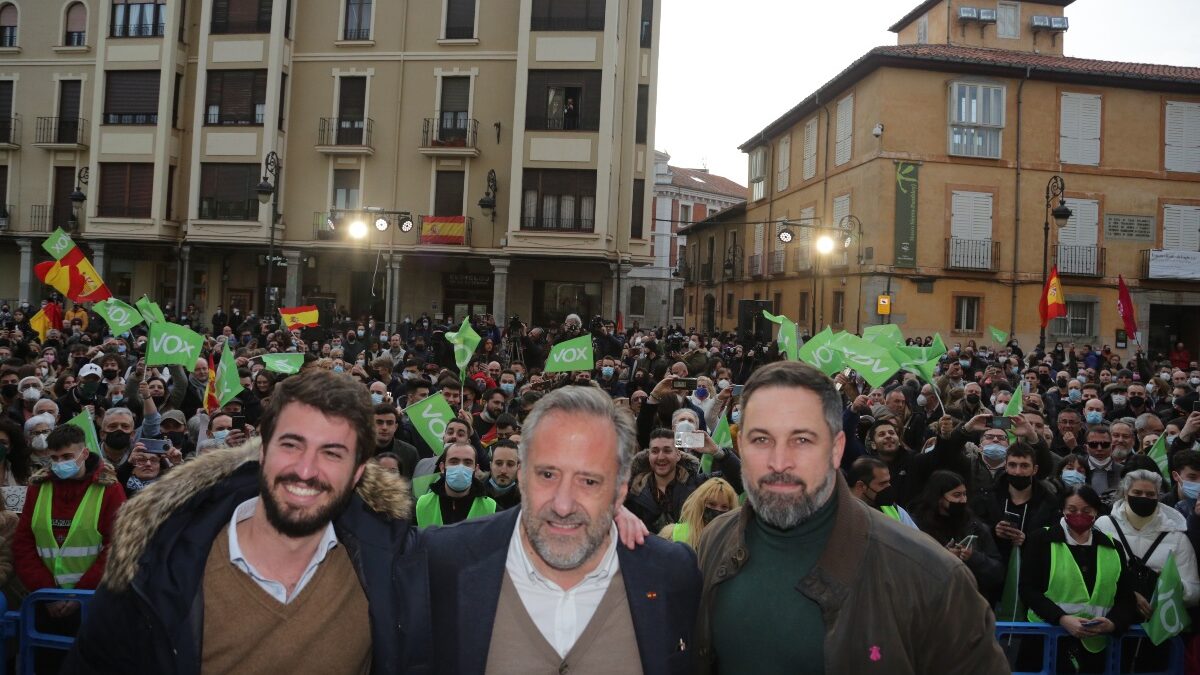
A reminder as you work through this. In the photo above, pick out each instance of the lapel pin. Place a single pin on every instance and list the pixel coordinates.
(650, 595)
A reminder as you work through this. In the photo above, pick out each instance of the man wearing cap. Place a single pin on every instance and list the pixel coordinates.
(83, 394)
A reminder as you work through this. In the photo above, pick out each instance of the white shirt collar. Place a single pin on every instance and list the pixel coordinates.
(276, 589)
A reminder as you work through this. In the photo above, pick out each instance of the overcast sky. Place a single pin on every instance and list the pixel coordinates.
(726, 70)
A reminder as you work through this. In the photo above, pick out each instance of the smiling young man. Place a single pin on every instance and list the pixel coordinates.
(273, 557)
(808, 578)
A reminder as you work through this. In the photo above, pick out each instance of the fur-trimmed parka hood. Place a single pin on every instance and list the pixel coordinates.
(640, 469)
(139, 519)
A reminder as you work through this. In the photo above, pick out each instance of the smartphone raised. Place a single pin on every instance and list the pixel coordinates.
(689, 440)
(688, 383)
(239, 422)
(968, 541)
(737, 389)
(1000, 423)
(156, 446)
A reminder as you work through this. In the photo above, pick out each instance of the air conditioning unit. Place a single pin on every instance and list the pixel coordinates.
(1058, 23)
(1040, 22)
(968, 14)
(987, 16)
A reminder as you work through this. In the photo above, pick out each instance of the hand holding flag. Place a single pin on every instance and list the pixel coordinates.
(465, 340)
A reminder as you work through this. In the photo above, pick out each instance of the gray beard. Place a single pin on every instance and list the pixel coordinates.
(783, 512)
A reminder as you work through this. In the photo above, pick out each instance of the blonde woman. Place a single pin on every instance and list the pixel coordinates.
(714, 497)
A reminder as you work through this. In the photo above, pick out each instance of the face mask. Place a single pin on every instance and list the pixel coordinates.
(120, 349)
(117, 440)
(1020, 482)
(376, 398)
(701, 393)
(88, 389)
(220, 436)
(109, 374)
(684, 426)
(956, 510)
(339, 369)
(973, 399)
(458, 478)
(1142, 506)
(1171, 439)
(1080, 522)
(922, 399)
(1118, 401)
(177, 438)
(1074, 395)
(117, 398)
(1099, 464)
(360, 333)
(1093, 417)
(607, 371)
(735, 416)
(159, 400)
(692, 345)
(1082, 379)
(32, 394)
(1194, 381)
(722, 385)
(709, 514)
(1000, 408)
(38, 442)
(1136, 401)
(1191, 489)
(994, 451)
(1071, 477)
(65, 469)
(964, 362)
(885, 497)
(508, 388)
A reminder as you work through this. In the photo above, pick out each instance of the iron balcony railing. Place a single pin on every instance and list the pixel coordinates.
(75, 38)
(1182, 269)
(62, 131)
(803, 259)
(981, 255)
(1079, 261)
(346, 131)
(449, 131)
(121, 30)
(778, 262)
(237, 209)
(10, 130)
(560, 224)
(356, 34)
(41, 218)
(131, 118)
(756, 265)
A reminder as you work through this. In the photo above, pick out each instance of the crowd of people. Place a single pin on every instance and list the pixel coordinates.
(1058, 512)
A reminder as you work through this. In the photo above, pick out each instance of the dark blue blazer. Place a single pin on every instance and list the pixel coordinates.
(466, 568)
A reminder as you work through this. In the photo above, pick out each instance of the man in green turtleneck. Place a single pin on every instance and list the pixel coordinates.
(806, 578)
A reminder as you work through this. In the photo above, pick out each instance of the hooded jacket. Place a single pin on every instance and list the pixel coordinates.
(1165, 519)
(153, 584)
(640, 500)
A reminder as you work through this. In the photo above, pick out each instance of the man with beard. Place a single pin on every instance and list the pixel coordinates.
(545, 587)
(501, 485)
(287, 556)
(806, 577)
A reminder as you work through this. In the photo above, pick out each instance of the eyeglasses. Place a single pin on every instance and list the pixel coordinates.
(1096, 445)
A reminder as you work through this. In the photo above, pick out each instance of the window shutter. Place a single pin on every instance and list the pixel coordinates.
(76, 18)
(68, 99)
(456, 94)
(131, 92)
(1183, 136)
(841, 209)
(6, 101)
(758, 239)
(971, 215)
(810, 149)
(1081, 228)
(448, 194)
(243, 13)
(1068, 129)
(352, 98)
(845, 130)
(1181, 227)
(923, 30)
(141, 189)
(112, 189)
(783, 163)
(1008, 20)
(1079, 129)
(8, 16)
(460, 19)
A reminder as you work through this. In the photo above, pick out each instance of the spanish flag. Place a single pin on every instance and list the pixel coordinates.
(211, 402)
(1052, 303)
(73, 276)
(444, 230)
(295, 317)
(41, 323)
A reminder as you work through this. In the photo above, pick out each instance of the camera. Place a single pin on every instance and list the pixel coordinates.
(514, 324)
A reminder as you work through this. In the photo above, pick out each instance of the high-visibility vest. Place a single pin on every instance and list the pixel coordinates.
(83, 543)
(680, 532)
(429, 509)
(1067, 589)
(891, 512)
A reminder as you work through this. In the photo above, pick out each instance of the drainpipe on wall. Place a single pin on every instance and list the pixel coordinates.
(1012, 316)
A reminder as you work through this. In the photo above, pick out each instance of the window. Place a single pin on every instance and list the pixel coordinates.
(1077, 322)
(805, 303)
(345, 189)
(729, 304)
(685, 214)
(558, 199)
(460, 20)
(647, 23)
(643, 113)
(841, 210)
(976, 119)
(175, 94)
(1077, 253)
(69, 124)
(839, 308)
(758, 173)
(236, 97)
(62, 208)
(1008, 20)
(6, 112)
(227, 191)
(76, 33)
(966, 314)
(241, 16)
(8, 25)
(637, 218)
(777, 304)
(358, 20)
(352, 110)
(677, 303)
(563, 100)
(1079, 129)
(1183, 137)
(448, 193)
(637, 301)
(125, 190)
(970, 230)
(456, 103)
(131, 97)
(845, 131)
(137, 19)
(1181, 227)
(923, 30)
(568, 15)
(783, 163)
(810, 149)
(552, 299)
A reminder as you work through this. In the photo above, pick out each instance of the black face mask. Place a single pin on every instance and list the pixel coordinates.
(1020, 482)
(885, 497)
(159, 401)
(956, 510)
(117, 440)
(710, 514)
(8, 391)
(973, 399)
(177, 438)
(1142, 506)
(87, 390)
(1136, 401)
(110, 374)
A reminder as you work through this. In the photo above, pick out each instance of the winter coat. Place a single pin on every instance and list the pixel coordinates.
(640, 500)
(1165, 519)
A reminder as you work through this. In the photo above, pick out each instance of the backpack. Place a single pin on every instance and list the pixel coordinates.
(1144, 578)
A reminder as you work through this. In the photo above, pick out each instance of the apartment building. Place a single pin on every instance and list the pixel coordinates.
(442, 156)
(921, 173)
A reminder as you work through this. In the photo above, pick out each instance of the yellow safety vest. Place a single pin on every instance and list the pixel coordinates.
(1067, 589)
(429, 509)
(83, 543)
(891, 512)
(680, 533)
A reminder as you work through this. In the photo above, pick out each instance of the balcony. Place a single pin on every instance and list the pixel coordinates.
(75, 38)
(1079, 261)
(1170, 265)
(10, 133)
(778, 262)
(573, 225)
(41, 218)
(445, 230)
(683, 272)
(129, 30)
(141, 118)
(61, 133)
(237, 210)
(215, 117)
(345, 136)
(449, 136)
(8, 217)
(756, 265)
(978, 255)
(706, 273)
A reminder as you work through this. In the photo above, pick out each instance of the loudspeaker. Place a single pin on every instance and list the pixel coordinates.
(752, 325)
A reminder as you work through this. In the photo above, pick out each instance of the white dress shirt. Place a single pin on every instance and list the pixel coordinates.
(276, 589)
(560, 615)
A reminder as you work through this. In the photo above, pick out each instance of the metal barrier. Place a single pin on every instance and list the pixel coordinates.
(1050, 636)
(19, 624)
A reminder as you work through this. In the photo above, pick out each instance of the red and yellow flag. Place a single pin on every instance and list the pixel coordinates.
(1052, 303)
(73, 276)
(444, 230)
(295, 317)
(211, 402)
(41, 323)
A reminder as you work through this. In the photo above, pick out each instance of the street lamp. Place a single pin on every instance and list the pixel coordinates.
(269, 192)
(1061, 214)
(824, 244)
(77, 198)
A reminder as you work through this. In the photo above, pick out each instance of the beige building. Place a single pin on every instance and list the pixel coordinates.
(928, 164)
(379, 114)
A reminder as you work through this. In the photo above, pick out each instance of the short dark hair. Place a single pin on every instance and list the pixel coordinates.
(333, 395)
(386, 409)
(1185, 459)
(863, 470)
(1085, 492)
(417, 384)
(449, 383)
(487, 395)
(1022, 450)
(798, 375)
(506, 420)
(64, 436)
(888, 421)
(662, 432)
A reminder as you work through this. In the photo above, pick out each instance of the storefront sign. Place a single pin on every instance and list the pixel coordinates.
(472, 281)
(906, 214)
(1134, 228)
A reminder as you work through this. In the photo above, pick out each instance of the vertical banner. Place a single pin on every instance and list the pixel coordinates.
(906, 214)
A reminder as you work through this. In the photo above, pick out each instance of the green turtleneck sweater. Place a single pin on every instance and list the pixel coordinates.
(762, 623)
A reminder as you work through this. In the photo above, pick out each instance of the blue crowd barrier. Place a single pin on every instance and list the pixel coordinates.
(20, 624)
(1050, 635)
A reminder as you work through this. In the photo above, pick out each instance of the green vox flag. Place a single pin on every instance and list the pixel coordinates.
(420, 484)
(571, 355)
(288, 364)
(788, 342)
(121, 317)
(1011, 608)
(150, 311)
(465, 341)
(722, 438)
(84, 421)
(229, 385)
(1016, 406)
(1168, 617)
(998, 336)
(871, 361)
(820, 353)
(884, 335)
(430, 417)
(173, 344)
(1158, 453)
(934, 352)
(58, 244)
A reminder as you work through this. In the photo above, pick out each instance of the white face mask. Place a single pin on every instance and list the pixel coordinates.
(722, 384)
(921, 399)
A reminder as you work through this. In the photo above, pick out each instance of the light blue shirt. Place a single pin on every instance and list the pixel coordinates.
(272, 587)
